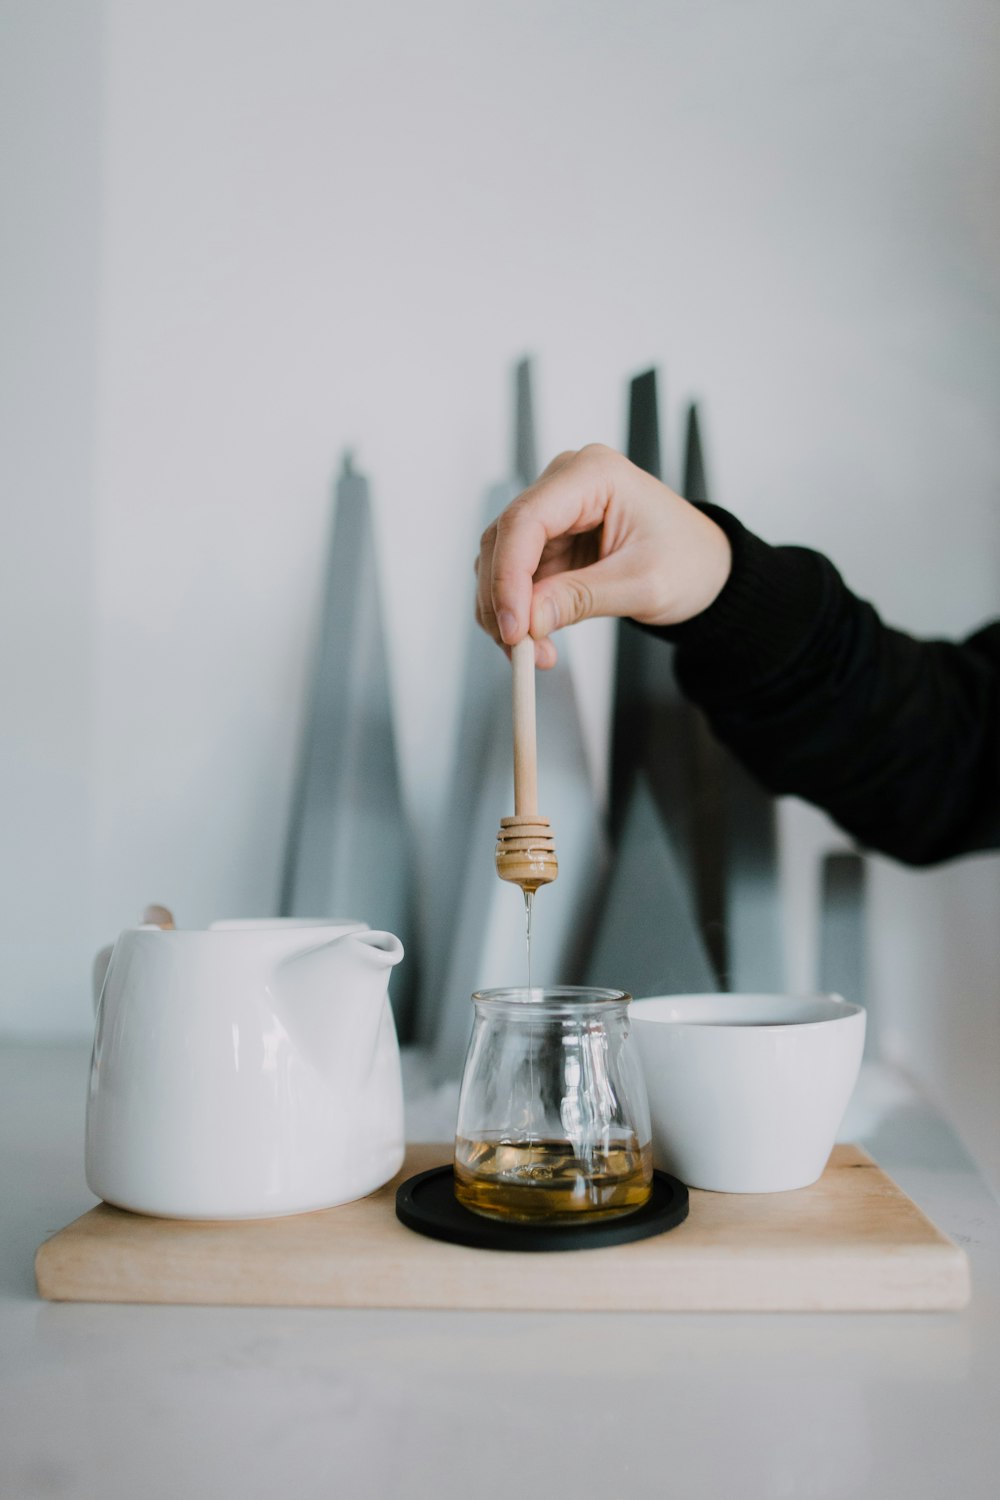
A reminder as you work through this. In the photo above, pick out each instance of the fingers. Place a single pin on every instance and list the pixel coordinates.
(485, 615)
(579, 594)
(569, 499)
(558, 462)
(545, 652)
(596, 536)
(545, 655)
(505, 590)
(516, 552)
(514, 616)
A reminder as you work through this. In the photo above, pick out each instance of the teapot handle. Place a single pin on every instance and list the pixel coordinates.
(99, 973)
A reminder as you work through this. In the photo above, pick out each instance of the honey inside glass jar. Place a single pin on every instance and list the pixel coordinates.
(553, 1123)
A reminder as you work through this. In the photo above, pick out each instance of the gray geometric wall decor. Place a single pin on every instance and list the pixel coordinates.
(525, 470)
(843, 934)
(646, 932)
(738, 877)
(709, 770)
(712, 859)
(694, 486)
(649, 922)
(754, 949)
(641, 664)
(349, 851)
(485, 678)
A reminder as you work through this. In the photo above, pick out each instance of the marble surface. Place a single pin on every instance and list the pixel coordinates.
(195, 1402)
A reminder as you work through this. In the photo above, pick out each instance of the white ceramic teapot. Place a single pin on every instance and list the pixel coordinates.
(244, 1071)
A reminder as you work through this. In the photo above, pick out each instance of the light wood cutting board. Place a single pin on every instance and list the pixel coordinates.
(852, 1241)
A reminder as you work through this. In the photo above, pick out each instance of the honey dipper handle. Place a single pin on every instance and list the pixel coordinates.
(522, 658)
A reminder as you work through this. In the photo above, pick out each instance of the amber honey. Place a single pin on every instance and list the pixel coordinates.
(546, 1180)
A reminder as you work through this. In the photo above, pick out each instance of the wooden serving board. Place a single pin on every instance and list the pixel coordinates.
(852, 1241)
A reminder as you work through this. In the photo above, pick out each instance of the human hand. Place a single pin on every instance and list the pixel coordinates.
(595, 535)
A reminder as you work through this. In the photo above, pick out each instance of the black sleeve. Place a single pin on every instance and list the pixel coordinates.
(898, 739)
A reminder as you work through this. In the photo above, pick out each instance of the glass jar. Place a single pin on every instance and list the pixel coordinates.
(553, 1121)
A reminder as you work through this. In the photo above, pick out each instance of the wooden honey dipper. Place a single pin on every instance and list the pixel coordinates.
(526, 848)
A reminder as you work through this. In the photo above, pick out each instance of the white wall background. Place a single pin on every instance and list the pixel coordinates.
(240, 235)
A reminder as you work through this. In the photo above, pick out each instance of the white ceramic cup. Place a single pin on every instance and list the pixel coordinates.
(746, 1092)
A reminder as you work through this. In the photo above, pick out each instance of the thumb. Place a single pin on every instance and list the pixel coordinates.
(567, 598)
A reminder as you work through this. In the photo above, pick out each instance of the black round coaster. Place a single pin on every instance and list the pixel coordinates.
(427, 1203)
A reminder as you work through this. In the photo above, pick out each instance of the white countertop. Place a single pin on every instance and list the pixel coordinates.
(101, 1402)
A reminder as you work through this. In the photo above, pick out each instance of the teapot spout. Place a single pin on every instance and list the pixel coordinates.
(384, 950)
(332, 999)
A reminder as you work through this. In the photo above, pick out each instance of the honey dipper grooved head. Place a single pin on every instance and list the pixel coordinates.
(526, 852)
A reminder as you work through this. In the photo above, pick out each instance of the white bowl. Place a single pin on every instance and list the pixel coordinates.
(746, 1092)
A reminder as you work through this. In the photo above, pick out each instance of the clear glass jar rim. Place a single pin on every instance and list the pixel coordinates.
(556, 997)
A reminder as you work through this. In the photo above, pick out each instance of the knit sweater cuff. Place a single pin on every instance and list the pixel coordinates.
(770, 605)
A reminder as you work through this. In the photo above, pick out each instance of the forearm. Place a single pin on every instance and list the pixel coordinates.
(898, 739)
